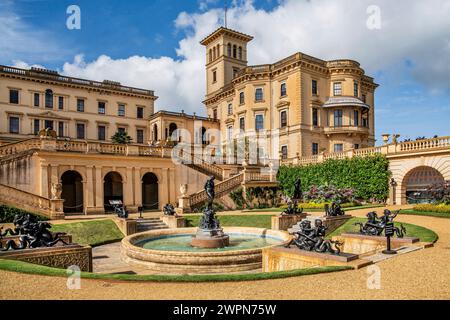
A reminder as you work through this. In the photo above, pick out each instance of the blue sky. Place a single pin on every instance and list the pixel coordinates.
(154, 44)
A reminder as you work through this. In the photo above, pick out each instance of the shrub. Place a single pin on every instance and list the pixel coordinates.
(441, 208)
(329, 194)
(316, 205)
(7, 214)
(368, 176)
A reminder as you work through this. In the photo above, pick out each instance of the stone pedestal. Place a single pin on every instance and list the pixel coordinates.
(210, 239)
(183, 205)
(285, 222)
(174, 222)
(127, 226)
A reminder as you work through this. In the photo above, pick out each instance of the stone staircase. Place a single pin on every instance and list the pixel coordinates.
(147, 224)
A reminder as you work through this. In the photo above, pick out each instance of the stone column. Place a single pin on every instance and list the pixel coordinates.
(44, 181)
(99, 206)
(128, 198)
(137, 187)
(89, 185)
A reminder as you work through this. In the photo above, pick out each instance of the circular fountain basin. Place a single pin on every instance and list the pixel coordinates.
(168, 251)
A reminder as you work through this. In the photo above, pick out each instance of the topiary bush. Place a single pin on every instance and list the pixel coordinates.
(368, 176)
(7, 214)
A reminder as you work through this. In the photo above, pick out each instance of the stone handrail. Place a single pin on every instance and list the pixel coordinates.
(20, 146)
(190, 159)
(441, 142)
(51, 208)
(221, 189)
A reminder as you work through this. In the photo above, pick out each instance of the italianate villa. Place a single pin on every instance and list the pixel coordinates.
(57, 156)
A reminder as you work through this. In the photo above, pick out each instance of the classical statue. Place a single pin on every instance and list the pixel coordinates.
(334, 211)
(209, 188)
(33, 234)
(56, 191)
(169, 210)
(313, 238)
(183, 190)
(209, 221)
(375, 226)
(298, 194)
(119, 208)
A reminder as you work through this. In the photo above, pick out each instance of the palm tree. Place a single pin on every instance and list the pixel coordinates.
(121, 137)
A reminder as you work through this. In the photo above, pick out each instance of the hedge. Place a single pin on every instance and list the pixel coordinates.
(369, 176)
(7, 214)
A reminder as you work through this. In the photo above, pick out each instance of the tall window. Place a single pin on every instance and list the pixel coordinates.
(121, 110)
(283, 119)
(61, 129)
(365, 121)
(355, 118)
(214, 76)
(356, 146)
(80, 105)
(210, 55)
(314, 87)
(355, 89)
(259, 96)
(14, 96)
(338, 147)
(364, 98)
(122, 130)
(283, 91)
(36, 99)
(337, 88)
(101, 107)
(215, 114)
(48, 124)
(101, 133)
(240, 53)
(80, 131)
(241, 98)
(242, 123)
(14, 125)
(234, 51)
(60, 103)
(284, 152)
(36, 126)
(230, 133)
(259, 122)
(140, 113)
(229, 50)
(49, 98)
(315, 148)
(230, 109)
(140, 136)
(338, 118)
(315, 117)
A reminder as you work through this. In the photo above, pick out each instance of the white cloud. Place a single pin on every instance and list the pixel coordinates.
(414, 30)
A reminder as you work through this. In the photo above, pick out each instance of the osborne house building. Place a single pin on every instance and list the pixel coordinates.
(57, 156)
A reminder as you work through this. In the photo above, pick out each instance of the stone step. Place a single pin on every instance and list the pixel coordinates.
(151, 228)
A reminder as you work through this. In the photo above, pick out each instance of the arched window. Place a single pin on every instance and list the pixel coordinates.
(210, 55)
(218, 51)
(240, 53)
(234, 51)
(229, 49)
(283, 90)
(48, 98)
(214, 53)
(155, 132)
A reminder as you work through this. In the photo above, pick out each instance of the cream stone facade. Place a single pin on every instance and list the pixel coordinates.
(312, 106)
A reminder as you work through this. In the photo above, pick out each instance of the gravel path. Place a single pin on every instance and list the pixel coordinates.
(424, 274)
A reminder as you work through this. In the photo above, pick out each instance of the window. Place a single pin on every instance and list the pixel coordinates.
(140, 136)
(242, 123)
(215, 114)
(60, 103)
(364, 98)
(355, 89)
(101, 133)
(259, 122)
(230, 133)
(214, 76)
(140, 113)
(356, 146)
(14, 96)
(101, 107)
(121, 110)
(229, 49)
(284, 152)
(338, 118)
(49, 99)
(13, 125)
(80, 105)
(36, 99)
(80, 130)
(235, 72)
(48, 124)
(315, 148)
(214, 53)
(314, 87)
(241, 98)
(240, 53)
(234, 51)
(230, 109)
(283, 119)
(338, 147)
(315, 117)
(122, 130)
(365, 121)
(60, 129)
(36, 126)
(355, 118)
(337, 88)
(283, 90)
(259, 96)
(210, 55)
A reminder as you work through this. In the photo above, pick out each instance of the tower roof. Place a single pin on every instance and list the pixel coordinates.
(225, 31)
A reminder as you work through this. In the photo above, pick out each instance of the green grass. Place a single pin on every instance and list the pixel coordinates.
(424, 234)
(368, 206)
(426, 213)
(93, 233)
(255, 221)
(24, 267)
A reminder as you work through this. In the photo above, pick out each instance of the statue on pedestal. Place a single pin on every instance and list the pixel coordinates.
(293, 204)
(334, 211)
(375, 226)
(169, 210)
(209, 221)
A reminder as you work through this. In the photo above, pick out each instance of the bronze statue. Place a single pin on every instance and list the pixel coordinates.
(209, 188)
(169, 210)
(293, 203)
(209, 221)
(333, 211)
(375, 226)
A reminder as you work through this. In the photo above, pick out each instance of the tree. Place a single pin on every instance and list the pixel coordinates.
(121, 137)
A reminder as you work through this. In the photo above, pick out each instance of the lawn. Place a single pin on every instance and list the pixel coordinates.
(426, 213)
(93, 233)
(424, 234)
(255, 221)
(368, 206)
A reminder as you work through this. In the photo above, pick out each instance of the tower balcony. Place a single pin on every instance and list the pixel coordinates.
(347, 129)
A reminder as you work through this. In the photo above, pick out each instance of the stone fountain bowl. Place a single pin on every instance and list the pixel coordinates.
(197, 262)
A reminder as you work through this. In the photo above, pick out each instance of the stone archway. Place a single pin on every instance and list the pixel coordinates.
(416, 182)
(72, 192)
(112, 189)
(150, 198)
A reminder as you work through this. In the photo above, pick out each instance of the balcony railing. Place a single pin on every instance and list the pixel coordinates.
(346, 129)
